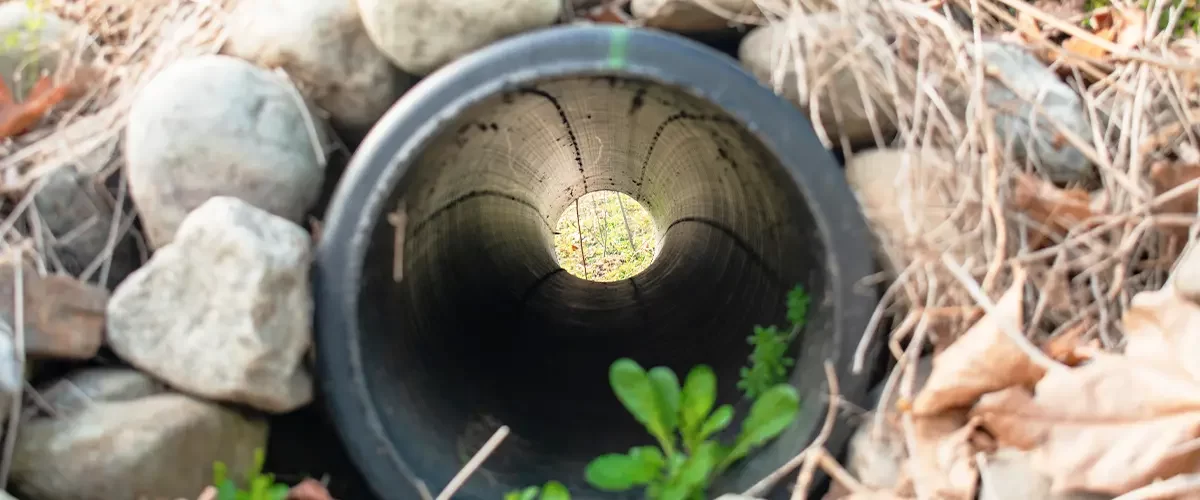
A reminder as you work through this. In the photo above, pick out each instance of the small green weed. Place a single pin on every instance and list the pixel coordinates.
(553, 490)
(769, 361)
(683, 420)
(261, 486)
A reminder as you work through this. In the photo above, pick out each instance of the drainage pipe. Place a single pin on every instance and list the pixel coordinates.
(431, 339)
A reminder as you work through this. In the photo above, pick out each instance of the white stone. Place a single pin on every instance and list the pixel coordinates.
(224, 311)
(830, 34)
(220, 126)
(420, 36)
(119, 438)
(903, 202)
(324, 48)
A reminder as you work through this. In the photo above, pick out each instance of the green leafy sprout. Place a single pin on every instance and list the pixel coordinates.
(682, 420)
(260, 486)
(553, 490)
(769, 360)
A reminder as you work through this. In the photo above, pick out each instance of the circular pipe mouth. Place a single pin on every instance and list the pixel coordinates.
(442, 314)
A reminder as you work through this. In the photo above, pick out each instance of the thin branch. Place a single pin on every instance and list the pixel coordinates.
(579, 231)
(473, 464)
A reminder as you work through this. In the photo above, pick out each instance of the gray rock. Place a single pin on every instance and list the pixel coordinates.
(420, 36)
(323, 47)
(1034, 81)
(759, 53)
(220, 126)
(82, 388)
(74, 208)
(106, 442)
(32, 41)
(224, 311)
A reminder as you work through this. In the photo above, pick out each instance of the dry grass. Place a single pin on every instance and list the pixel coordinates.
(120, 45)
(605, 236)
(1142, 104)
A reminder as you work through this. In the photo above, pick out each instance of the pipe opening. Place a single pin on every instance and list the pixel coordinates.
(486, 328)
(605, 236)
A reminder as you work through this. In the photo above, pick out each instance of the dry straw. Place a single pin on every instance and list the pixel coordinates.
(118, 47)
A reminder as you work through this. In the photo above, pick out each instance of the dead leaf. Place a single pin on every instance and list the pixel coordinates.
(1165, 176)
(1066, 346)
(1086, 48)
(1008, 474)
(1130, 24)
(983, 360)
(16, 118)
(1056, 210)
(943, 463)
(1118, 422)
(1163, 328)
(309, 489)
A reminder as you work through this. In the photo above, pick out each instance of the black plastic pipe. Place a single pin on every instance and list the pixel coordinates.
(479, 326)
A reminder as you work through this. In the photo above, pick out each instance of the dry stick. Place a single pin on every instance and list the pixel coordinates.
(599, 222)
(484, 452)
(579, 231)
(1174, 487)
(14, 413)
(804, 479)
(839, 473)
(625, 218)
(1035, 354)
(766, 483)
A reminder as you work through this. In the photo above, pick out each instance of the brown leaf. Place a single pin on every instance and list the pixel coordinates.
(1066, 347)
(16, 118)
(309, 489)
(1118, 422)
(1130, 24)
(943, 459)
(1165, 176)
(1086, 48)
(1056, 210)
(983, 360)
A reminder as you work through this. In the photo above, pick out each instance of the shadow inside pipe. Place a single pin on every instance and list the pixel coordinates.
(485, 329)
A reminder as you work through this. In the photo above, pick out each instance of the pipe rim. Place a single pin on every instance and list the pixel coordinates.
(398, 138)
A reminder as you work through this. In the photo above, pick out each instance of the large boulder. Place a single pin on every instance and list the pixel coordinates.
(830, 36)
(220, 126)
(115, 433)
(224, 311)
(423, 35)
(325, 49)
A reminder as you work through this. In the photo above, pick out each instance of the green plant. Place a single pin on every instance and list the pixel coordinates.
(769, 361)
(553, 490)
(261, 486)
(682, 421)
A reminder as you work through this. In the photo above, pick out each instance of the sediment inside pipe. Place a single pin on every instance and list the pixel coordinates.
(485, 328)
